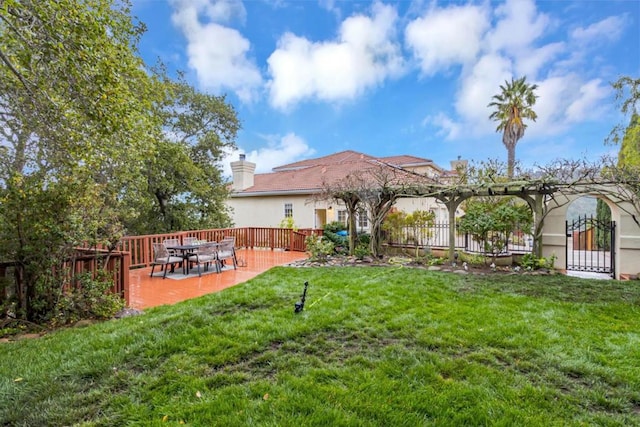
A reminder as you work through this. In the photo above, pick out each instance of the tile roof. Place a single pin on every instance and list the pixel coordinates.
(336, 158)
(309, 176)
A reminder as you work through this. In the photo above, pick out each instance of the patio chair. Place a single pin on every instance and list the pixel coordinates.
(189, 240)
(162, 257)
(206, 254)
(168, 243)
(226, 251)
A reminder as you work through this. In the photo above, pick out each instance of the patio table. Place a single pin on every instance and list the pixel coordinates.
(187, 250)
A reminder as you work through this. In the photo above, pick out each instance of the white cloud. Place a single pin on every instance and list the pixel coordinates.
(363, 56)
(588, 101)
(512, 48)
(530, 63)
(519, 25)
(477, 89)
(566, 100)
(279, 151)
(437, 40)
(609, 28)
(218, 65)
(449, 129)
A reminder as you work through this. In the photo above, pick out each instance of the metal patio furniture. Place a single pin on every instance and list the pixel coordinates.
(162, 257)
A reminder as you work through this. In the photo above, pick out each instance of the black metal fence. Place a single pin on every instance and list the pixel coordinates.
(437, 236)
(590, 243)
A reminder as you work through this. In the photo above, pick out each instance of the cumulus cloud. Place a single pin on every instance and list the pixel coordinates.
(519, 25)
(363, 56)
(437, 41)
(218, 65)
(449, 129)
(279, 151)
(609, 28)
(512, 47)
(478, 87)
(565, 100)
(532, 60)
(585, 105)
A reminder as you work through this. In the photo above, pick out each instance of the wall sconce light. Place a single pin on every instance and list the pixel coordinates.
(330, 208)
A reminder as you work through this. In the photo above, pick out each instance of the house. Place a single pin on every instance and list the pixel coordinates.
(266, 199)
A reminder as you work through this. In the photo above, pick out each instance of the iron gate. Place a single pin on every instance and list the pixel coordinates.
(591, 245)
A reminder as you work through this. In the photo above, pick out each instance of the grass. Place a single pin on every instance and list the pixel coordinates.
(374, 346)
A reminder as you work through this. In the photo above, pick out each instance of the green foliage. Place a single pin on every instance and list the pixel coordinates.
(628, 94)
(334, 227)
(76, 130)
(393, 225)
(89, 299)
(603, 233)
(319, 247)
(361, 251)
(511, 106)
(416, 223)
(340, 243)
(531, 262)
(491, 222)
(629, 154)
(186, 190)
(288, 222)
(364, 239)
(384, 346)
(472, 259)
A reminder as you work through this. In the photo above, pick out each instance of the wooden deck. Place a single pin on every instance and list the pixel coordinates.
(145, 291)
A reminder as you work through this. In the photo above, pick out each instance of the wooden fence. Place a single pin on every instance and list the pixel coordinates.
(85, 261)
(141, 247)
(137, 252)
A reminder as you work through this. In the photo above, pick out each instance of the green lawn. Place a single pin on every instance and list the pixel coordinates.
(377, 346)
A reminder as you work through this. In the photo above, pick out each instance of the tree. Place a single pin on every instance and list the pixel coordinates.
(74, 116)
(185, 186)
(628, 94)
(629, 154)
(603, 216)
(512, 106)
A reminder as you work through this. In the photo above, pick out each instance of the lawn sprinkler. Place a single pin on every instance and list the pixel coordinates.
(303, 297)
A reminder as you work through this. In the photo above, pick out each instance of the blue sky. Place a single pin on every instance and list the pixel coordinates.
(310, 78)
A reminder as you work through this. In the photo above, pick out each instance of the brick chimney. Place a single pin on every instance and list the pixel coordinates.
(242, 173)
(459, 165)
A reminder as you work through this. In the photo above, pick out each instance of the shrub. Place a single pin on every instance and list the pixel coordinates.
(91, 299)
(319, 247)
(361, 251)
(531, 262)
(334, 227)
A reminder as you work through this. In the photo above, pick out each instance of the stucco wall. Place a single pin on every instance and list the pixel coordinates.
(627, 234)
(268, 211)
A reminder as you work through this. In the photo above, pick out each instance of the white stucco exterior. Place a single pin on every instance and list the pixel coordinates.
(269, 210)
(627, 234)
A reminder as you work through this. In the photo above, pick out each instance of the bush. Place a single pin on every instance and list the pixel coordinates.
(91, 299)
(334, 227)
(319, 247)
(361, 251)
(531, 262)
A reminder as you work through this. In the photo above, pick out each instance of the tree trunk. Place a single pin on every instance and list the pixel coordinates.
(511, 159)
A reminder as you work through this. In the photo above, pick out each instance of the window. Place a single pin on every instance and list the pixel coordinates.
(288, 210)
(363, 221)
(342, 216)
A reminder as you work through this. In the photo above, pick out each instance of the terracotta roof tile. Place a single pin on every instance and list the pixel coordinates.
(313, 174)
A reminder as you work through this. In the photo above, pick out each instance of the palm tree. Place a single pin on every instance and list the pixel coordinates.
(513, 105)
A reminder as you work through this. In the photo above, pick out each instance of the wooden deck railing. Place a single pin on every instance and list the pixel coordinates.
(141, 247)
(137, 251)
(85, 261)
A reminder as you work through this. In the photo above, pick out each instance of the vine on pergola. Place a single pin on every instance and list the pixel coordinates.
(379, 185)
